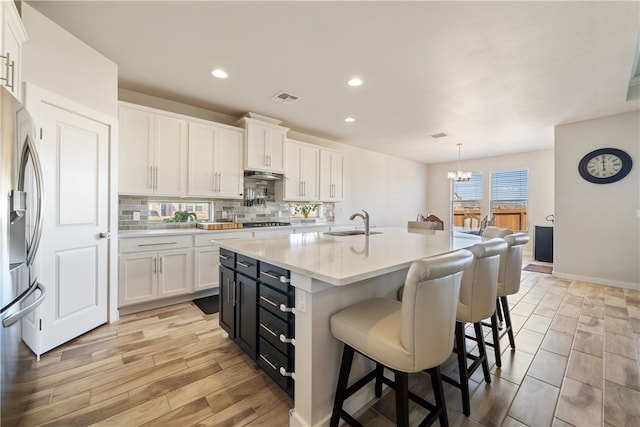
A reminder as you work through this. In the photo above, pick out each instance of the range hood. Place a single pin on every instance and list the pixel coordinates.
(265, 176)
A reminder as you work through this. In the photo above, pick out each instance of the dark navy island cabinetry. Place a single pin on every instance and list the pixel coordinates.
(256, 309)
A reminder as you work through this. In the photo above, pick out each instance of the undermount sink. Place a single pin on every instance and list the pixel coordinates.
(349, 233)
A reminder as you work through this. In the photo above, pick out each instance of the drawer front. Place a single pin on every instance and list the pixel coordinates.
(271, 327)
(271, 360)
(208, 239)
(276, 277)
(154, 243)
(272, 300)
(227, 258)
(247, 266)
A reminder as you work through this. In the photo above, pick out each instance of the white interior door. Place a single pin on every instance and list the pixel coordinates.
(74, 152)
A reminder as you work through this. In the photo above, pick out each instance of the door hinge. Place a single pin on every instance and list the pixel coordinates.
(40, 324)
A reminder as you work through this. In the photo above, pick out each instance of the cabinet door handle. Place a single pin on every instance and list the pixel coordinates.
(266, 328)
(266, 273)
(304, 188)
(263, 357)
(150, 186)
(155, 185)
(158, 244)
(160, 265)
(243, 264)
(235, 287)
(9, 69)
(155, 266)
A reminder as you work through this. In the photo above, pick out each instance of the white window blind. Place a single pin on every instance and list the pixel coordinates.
(468, 190)
(510, 185)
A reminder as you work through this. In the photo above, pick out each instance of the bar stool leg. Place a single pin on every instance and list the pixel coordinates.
(496, 339)
(507, 320)
(462, 367)
(438, 392)
(482, 352)
(498, 311)
(379, 374)
(402, 398)
(343, 382)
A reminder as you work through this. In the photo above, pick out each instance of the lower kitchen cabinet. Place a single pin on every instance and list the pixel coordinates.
(145, 276)
(256, 310)
(205, 268)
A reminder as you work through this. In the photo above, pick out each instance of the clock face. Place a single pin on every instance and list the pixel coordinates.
(605, 165)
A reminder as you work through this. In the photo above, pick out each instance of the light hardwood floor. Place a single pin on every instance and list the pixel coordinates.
(576, 363)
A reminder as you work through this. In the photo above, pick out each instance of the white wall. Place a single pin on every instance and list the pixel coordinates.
(56, 60)
(597, 235)
(541, 178)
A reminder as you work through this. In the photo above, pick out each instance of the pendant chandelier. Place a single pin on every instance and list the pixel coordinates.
(459, 175)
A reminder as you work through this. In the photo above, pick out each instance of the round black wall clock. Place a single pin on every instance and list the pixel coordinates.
(605, 165)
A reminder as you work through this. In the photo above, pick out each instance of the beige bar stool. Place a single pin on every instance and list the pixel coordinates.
(509, 275)
(477, 301)
(492, 232)
(406, 336)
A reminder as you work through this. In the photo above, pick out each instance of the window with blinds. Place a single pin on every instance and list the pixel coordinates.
(467, 198)
(509, 197)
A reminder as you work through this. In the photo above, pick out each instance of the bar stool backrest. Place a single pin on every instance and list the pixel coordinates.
(510, 271)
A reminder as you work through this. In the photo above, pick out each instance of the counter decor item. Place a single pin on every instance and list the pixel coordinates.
(182, 216)
(305, 210)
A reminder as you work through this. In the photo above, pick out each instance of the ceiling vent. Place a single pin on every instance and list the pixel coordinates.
(439, 135)
(286, 98)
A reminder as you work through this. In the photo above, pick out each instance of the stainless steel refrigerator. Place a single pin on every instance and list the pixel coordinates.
(20, 230)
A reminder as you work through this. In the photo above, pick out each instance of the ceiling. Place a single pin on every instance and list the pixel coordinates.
(494, 76)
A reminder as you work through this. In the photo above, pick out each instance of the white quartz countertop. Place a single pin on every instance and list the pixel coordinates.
(341, 260)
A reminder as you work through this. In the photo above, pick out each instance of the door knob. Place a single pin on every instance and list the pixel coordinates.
(104, 235)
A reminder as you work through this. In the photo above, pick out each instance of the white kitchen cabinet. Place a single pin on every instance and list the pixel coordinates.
(12, 35)
(146, 274)
(331, 176)
(215, 160)
(264, 146)
(301, 171)
(206, 268)
(152, 152)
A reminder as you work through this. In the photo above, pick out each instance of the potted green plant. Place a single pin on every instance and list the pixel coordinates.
(305, 209)
(182, 216)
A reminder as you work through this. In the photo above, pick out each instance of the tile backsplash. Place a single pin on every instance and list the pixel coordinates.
(224, 210)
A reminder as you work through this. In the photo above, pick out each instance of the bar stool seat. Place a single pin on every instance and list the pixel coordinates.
(406, 336)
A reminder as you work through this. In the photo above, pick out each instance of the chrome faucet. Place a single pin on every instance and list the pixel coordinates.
(365, 217)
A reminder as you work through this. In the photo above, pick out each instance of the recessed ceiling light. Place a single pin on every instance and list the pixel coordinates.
(219, 74)
(349, 120)
(355, 82)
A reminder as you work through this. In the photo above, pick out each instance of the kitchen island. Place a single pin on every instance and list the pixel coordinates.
(329, 273)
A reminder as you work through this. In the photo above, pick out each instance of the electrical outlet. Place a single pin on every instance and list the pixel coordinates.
(301, 301)
(224, 214)
(136, 216)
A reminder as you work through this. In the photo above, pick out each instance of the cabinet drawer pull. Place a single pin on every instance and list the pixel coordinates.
(266, 273)
(243, 264)
(263, 357)
(284, 373)
(267, 300)
(286, 340)
(283, 308)
(222, 256)
(266, 328)
(158, 244)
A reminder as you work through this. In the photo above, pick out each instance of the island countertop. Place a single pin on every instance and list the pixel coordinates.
(342, 260)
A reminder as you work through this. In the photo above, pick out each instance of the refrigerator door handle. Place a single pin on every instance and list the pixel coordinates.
(10, 320)
(29, 149)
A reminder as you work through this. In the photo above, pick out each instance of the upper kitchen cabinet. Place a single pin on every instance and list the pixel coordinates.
(12, 35)
(331, 176)
(264, 145)
(301, 171)
(152, 152)
(215, 160)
